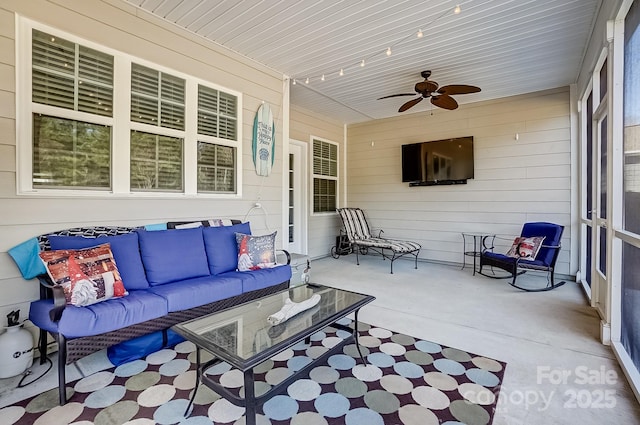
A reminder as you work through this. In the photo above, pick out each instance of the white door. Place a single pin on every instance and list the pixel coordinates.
(297, 197)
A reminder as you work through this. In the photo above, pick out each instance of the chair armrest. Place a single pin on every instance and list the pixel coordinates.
(47, 290)
(380, 232)
(551, 246)
(286, 253)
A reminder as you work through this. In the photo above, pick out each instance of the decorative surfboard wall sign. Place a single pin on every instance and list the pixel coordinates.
(264, 135)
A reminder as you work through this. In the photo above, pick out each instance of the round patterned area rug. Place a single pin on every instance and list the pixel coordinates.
(406, 381)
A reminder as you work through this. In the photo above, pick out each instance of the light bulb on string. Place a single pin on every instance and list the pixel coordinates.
(322, 78)
(306, 81)
(388, 51)
(341, 73)
(362, 63)
(419, 34)
(294, 82)
(457, 10)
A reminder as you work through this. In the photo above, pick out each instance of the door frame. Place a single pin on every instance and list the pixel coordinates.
(301, 212)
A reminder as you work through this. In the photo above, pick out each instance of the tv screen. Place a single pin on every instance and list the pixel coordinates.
(446, 161)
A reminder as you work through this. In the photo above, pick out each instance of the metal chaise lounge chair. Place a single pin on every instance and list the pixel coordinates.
(359, 235)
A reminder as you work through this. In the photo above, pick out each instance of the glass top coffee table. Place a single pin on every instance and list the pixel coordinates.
(242, 337)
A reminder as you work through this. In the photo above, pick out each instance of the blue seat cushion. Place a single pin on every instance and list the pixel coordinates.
(510, 260)
(552, 235)
(172, 255)
(125, 249)
(137, 307)
(263, 278)
(222, 248)
(198, 291)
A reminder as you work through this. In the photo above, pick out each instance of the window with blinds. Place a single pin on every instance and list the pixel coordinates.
(325, 176)
(216, 168)
(157, 98)
(68, 153)
(156, 163)
(75, 126)
(217, 113)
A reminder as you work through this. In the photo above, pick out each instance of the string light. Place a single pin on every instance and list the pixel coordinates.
(419, 34)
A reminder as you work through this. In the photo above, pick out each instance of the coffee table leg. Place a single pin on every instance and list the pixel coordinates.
(195, 389)
(355, 336)
(249, 398)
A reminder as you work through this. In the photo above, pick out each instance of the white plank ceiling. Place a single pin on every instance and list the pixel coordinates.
(506, 47)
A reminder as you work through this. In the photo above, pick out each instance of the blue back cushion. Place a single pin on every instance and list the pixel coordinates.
(222, 248)
(552, 234)
(125, 251)
(171, 255)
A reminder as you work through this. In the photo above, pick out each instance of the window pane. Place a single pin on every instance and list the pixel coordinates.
(603, 80)
(589, 158)
(632, 121)
(217, 113)
(216, 167)
(157, 98)
(156, 162)
(70, 154)
(630, 335)
(71, 76)
(588, 261)
(324, 199)
(602, 263)
(603, 168)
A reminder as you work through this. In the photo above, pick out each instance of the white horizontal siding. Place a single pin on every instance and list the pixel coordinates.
(516, 181)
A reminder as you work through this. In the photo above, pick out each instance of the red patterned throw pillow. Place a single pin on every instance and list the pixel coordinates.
(87, 276)
(256, 252)
(525, 248)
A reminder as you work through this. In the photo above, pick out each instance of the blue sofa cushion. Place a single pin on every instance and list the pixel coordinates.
(125, 251)
(172, 255)
(198, 291)
(221, 246)
(116, 313)
(260, 279)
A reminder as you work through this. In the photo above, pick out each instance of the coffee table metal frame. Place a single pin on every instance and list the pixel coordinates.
(250, 401)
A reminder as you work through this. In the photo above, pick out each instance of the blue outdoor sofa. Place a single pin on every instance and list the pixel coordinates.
(170, 275)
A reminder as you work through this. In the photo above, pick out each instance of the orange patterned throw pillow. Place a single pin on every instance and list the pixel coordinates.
(526, 248)
(87, 276)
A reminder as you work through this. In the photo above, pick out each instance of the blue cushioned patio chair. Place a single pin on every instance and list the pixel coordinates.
(359, 235)
(545, 260)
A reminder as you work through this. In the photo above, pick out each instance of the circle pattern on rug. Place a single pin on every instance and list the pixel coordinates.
(403, 381)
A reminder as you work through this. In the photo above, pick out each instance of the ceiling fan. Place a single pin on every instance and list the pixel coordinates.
(440, 96)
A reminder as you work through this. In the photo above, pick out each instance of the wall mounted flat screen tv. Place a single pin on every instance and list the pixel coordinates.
(448, 161)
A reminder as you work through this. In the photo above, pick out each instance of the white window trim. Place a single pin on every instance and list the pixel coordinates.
(120, 151)
(320, 176)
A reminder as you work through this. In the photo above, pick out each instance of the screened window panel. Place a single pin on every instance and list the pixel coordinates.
(216, 168)
(156, 162)
(70, 154)
(325, 158)
(324, 195)
(54, 80)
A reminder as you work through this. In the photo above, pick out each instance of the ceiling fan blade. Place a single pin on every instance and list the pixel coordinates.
(409, 104)
(458, 89)
(444, 101)
(396, 95)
